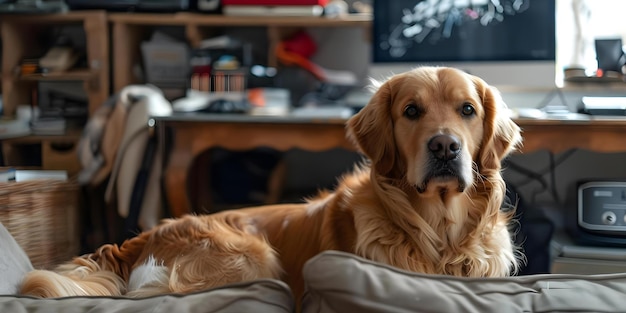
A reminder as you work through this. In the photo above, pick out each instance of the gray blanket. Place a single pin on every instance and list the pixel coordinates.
(14, 263)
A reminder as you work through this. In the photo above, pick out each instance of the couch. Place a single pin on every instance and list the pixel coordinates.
(340, 282)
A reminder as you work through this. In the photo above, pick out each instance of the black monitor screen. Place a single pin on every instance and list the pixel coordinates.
(463, 30)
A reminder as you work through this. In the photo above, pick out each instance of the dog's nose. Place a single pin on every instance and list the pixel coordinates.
(444, 147)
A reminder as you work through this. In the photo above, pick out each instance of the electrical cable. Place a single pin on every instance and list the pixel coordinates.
(539, 175)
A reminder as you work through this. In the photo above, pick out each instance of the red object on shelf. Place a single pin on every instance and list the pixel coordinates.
(301, 43)
(274, 2)
(599, 72)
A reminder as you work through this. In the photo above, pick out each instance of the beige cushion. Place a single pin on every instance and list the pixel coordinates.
(339, 282)
(257, 296)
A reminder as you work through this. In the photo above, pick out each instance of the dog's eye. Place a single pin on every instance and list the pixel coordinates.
(411, 111)
(467, 110)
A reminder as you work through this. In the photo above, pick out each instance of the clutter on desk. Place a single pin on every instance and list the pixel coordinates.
(269, 101)
(227, 106)
(212, 102)
(339, 112)
(609, 106)
(259, 101)
(193, 102)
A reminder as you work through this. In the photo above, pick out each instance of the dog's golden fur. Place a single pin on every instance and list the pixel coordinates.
(414, 205)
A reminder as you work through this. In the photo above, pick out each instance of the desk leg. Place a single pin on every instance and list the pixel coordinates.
(200, 193)
(176, 179)
(176, 184)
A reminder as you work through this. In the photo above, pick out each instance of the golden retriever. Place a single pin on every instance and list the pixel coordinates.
(428, 200)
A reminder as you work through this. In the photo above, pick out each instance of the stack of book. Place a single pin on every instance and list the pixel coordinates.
(10, 128)
(48, 126)
(273, 7)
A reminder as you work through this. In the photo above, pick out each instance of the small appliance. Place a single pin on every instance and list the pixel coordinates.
(600, 215)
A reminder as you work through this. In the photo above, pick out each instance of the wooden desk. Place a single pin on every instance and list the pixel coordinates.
(190, 135)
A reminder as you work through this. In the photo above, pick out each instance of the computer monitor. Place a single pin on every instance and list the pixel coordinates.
(506, 42)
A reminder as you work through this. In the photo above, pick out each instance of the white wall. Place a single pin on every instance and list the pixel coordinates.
(579, 22)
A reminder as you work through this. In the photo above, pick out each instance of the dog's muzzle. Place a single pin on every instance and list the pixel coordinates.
(444, 161)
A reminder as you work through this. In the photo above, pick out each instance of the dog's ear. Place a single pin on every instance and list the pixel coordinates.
(371, 129)
(501, 134)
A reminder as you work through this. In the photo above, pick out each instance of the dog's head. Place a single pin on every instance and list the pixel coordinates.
(436, 128)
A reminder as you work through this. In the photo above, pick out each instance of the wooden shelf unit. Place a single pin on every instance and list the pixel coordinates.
(19, 33)
(18, 43)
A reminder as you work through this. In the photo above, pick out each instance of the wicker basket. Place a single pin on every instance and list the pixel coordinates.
(42, 215)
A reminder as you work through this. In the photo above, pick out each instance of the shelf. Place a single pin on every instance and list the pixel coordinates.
(71, 75)
(185, 18)
(66, 17)
(595, 87)
(72, 135)
(20, 35)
